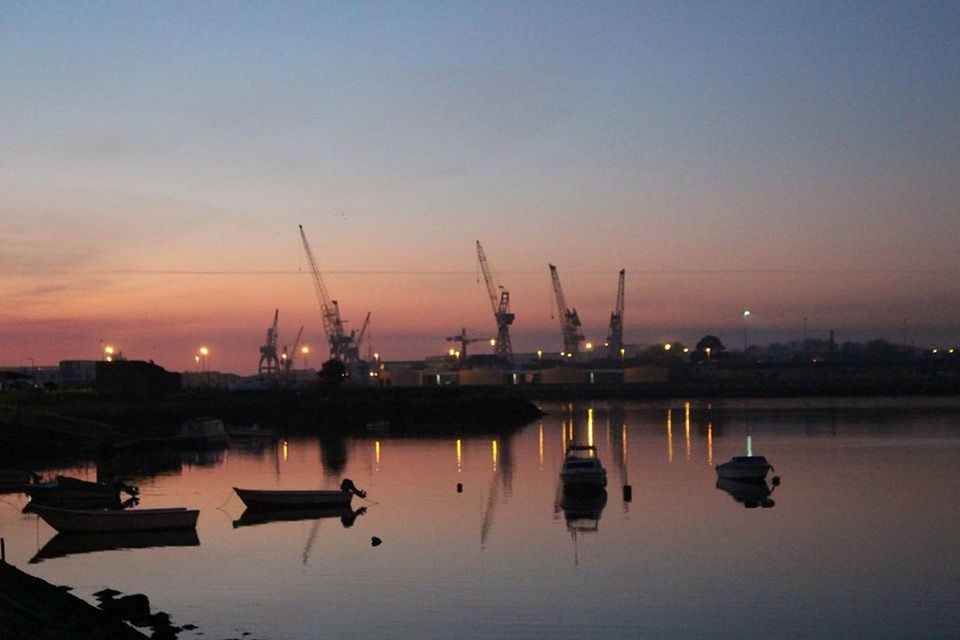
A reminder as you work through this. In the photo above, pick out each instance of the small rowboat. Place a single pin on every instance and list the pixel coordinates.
(299, 499)
(128, 520)
(286, 499)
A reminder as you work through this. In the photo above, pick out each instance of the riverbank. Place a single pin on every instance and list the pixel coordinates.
(33, 609)
(31, 422)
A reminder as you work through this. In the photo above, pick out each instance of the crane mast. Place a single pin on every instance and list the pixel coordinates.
(362, 332)
(569, 319)
(289, 355)
(615, 339)
(269, 363)
(342, 346)
(501, 309)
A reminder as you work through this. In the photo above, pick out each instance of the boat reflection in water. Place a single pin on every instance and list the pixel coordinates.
(253, 517)
(65, 544)
(750, 493)
(582, 510)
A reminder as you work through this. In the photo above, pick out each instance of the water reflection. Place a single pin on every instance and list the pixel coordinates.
(253, 517)
(582, 510)
(750, 493)
(65, 544)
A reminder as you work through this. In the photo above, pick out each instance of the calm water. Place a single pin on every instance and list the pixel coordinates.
(861, 539)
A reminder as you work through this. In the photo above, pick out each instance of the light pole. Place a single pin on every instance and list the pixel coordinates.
(746, 314)
(205, 352)
(305, 350)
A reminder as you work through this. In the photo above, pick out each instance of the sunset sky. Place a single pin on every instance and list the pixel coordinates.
(800, 159)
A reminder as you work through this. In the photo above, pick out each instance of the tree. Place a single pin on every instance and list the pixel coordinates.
(333, 372)
(708, 348)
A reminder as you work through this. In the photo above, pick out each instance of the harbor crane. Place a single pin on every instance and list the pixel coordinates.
(501, 309)
(343, 346)
(569, 319)
(288, 355)
(464, 341)
(269, 364)
(615, 339)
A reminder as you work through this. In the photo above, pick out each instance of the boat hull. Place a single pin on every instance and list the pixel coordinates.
(131, 520)
(292, 499)
(755, 473)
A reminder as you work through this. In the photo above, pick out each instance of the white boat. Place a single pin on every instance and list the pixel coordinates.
(203, 433)
(298, 498)
(127, 520)
(744, 468)
(582, 469)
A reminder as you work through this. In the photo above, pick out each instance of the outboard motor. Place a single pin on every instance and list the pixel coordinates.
(347, 485)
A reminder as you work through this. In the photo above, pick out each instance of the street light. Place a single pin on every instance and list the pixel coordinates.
(746, 314)
(708, 353)
(108, 352)
(305, 350)
(205, 353)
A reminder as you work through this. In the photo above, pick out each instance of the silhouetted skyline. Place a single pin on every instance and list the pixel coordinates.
(796, 160)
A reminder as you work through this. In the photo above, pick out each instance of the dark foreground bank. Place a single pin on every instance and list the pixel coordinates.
(33, 609)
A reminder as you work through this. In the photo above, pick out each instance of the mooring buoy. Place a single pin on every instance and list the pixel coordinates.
(375, 541)
(459, 487)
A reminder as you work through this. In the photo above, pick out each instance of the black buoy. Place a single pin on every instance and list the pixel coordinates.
(627, 493)
(776, 481)
(459, 487)
(375, 541)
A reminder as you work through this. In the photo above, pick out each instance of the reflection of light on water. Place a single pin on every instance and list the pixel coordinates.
(686, 428)
(669, 435)
(459, 456)
(749, 445)
(623, 438)
(376, 452)
(286, 450)
(590, 426)
(710, 443)
(541, 446)
(494, 450)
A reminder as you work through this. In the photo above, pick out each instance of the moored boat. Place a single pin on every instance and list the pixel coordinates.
(127, 520)
(202, 433)
(744, 468)
(65, 489)
(582, 469)
(253, 432)
(299, 498)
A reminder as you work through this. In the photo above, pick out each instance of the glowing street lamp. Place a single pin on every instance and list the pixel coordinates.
(746, 314)
(708, 350)
(305, 350)
(205, 354)
(108, 352)
(667, 347)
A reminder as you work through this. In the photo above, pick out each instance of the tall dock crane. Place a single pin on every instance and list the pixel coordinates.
(269, 363)
(501, 309)
(615, 339)
(569, 319)
(464, 341)
(289, 355)
(343, 346)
